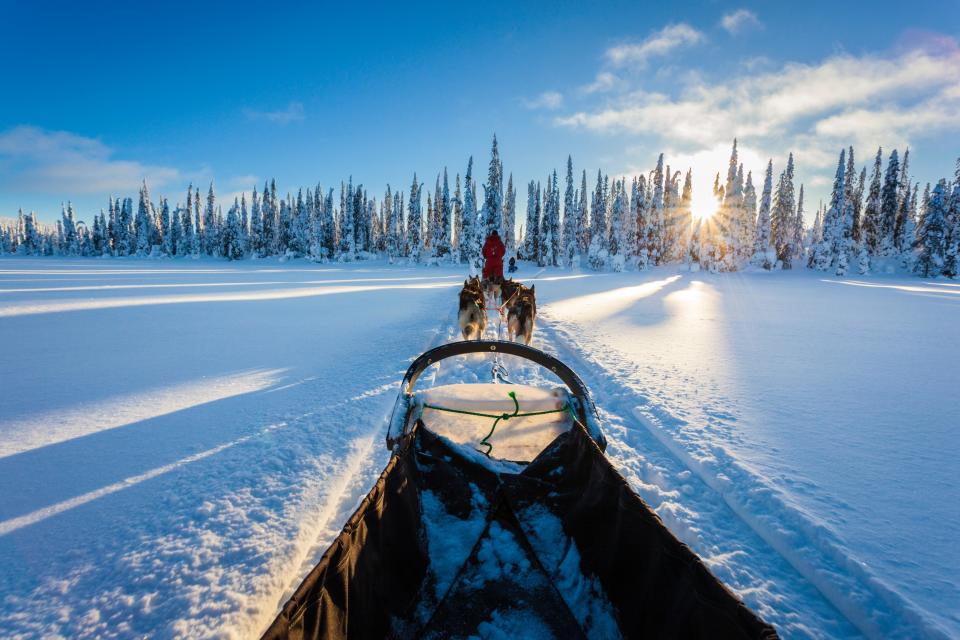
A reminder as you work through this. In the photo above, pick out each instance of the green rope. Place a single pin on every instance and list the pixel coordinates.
(497, 418)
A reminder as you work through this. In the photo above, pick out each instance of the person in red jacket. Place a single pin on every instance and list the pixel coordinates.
(493, 251)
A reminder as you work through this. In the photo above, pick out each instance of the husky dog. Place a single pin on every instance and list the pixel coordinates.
(522, 313)
(492, 287)
(472, 315)
(509, 290)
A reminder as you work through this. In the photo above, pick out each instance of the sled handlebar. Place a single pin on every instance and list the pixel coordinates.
(587, 412)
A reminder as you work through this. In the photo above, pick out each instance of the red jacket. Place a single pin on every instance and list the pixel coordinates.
(493, 251)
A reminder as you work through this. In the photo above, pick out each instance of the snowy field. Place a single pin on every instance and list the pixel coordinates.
(180, 440)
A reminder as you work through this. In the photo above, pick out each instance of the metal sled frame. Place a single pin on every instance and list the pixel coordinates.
(583, 403)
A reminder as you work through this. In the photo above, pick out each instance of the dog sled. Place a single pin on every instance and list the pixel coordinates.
(499, 515)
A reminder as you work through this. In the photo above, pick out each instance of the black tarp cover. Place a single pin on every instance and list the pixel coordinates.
(373, 582)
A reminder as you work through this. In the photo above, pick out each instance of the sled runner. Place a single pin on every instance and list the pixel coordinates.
(499, 515)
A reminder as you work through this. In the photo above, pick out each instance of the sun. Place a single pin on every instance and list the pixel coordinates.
(704, 206)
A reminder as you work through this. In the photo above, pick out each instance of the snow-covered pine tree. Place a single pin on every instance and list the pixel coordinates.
(930, 262)
(797, 239)
(165, 227)
(748, 217)
(597, 253)
(415, 220)
(655, 222)
(493, 194)
(469, 238)
(570, 245)
(543, 240)
(617, 241)
(781, 219)
(856, 229)
(642, 225)
(458, 219)
(901, 241)
(685, 217)
(871, 222)
(764, 254)
(510, 219)
(951, 264)
(142, 222)
(831, 251)
(553, 221)
(583, 223)
(889, 201)
(209, 238)
(532, 226)
(441, 231)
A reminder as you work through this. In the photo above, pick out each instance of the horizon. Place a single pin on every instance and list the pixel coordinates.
(386, 104)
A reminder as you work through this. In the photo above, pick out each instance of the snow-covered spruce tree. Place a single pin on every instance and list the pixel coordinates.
(583, 223)
(469, 239)
(931, 260)
(361, 229)
(797, 238)
(781, 218)
(256, 226)
(532, 226)
(831, 251)
(686, 217)
(543, 215)
(764, 254)
(232, 233)
(951, 261)
(655, 222)
(431, 225)
(244, 226)
(392, 230)
(457, 203)
(165, 228)
(889, 200)
(857, 224)
(641, 241)
(492, 213)
(510, 219)
(617, 241)
(415, 220)
(900, 241)
(209, 240)
(570, 245)
(598, 251)
(749, 217)
(329, 225)
(441, 231)
(553, 220)
(143, 221)
(871, 222)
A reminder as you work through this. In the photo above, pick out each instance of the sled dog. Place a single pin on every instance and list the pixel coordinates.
(472, 315)
(521, 314)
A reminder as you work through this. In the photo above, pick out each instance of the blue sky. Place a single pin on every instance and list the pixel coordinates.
(98, 97)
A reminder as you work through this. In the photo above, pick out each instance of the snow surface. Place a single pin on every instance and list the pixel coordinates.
(181, 440)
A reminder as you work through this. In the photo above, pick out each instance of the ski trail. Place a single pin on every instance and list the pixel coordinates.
(806, 547)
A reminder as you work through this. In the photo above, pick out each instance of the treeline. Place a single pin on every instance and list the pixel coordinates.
(871, 222)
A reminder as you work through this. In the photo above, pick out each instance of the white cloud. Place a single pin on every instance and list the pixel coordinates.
(604, 81)
(292, 113)
(547, 100)
(65, 163)
(812, 109)
(739, 21)
(834, 100)
(659, 43)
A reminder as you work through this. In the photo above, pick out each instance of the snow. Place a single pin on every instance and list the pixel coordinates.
(181, 440)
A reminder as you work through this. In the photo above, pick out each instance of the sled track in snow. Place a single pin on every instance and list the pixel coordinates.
(811, 550)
